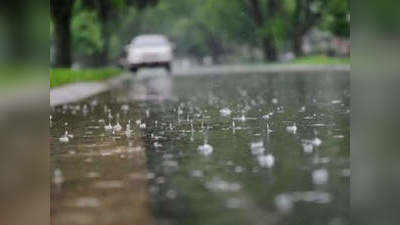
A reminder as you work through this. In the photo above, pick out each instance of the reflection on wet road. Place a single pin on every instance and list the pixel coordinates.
(232, 149)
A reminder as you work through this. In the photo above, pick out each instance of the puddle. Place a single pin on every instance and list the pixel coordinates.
(205, 150)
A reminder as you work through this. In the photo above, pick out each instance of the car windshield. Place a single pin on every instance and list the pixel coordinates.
(150, 41)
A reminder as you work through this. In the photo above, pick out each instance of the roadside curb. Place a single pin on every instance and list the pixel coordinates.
(77, 91)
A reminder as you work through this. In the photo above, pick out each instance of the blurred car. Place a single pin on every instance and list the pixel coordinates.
(149, 51)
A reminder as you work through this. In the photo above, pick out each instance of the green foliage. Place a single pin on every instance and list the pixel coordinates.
(321, 60)
(197, 27)
(337, 18)
(62, 76)
(86, 33)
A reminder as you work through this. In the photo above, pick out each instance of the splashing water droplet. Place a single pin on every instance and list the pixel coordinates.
(320, 176)
(267, 161)
(284, 202)
(225, 112)
(205, 149)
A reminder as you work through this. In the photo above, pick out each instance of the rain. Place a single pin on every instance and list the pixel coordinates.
(251, 146)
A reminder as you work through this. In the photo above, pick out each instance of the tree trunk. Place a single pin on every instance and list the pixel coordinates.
(62, 41)
(106, 35)
(298, 44)
(304, 19)
(268, 44)
(269, 50)
(216, 49)
(298, 24)
(106, 30)
(61, 13)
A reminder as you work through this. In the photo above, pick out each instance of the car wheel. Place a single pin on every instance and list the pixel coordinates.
(134, 69)
(168, 68)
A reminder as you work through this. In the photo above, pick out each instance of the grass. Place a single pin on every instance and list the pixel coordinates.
(321, 60)
(60, 76)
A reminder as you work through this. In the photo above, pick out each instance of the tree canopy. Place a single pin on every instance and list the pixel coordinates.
(199, 28)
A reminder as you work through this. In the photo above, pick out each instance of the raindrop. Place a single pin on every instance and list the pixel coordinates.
(292, 129)
(87, 202)
(128, 131)
(125, 108)
(339, 136)
(109, 184)
(171, 194)
(197, 173)
(64, 138)
(320, 176)
(238, 169)
(267, 161)
(217, 184)
(308, 147)
(268, 130)
(280, 109)
(58, 177)
(284, 202)
(157, 145)
(316, 142)
(94, 103)
(205, 149)
(117, 127)
(150, 175)
(160, 180)
(321, 160)
(85, 110)
(153, 189)
(89, 160)
(266, 117)
(225, 112)
(257, 148)
(108, 127)
(93, 175)
(346, 172)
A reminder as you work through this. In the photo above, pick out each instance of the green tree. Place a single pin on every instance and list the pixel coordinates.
(266, 16)
(86, 34)
(307, 14)
(109, 14)
(337, 17)
(61, 14)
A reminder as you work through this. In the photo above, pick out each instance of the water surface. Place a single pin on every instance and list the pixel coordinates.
(232, 149)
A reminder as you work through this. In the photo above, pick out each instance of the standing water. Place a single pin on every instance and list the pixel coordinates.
(253, 149)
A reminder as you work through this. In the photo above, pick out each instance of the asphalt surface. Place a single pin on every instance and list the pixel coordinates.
(205, 148)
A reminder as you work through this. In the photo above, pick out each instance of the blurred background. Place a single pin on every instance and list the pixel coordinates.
(93, 33)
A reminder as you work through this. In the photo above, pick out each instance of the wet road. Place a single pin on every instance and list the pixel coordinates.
(227, 149)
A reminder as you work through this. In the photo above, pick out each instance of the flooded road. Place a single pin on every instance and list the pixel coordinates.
(228, 149)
